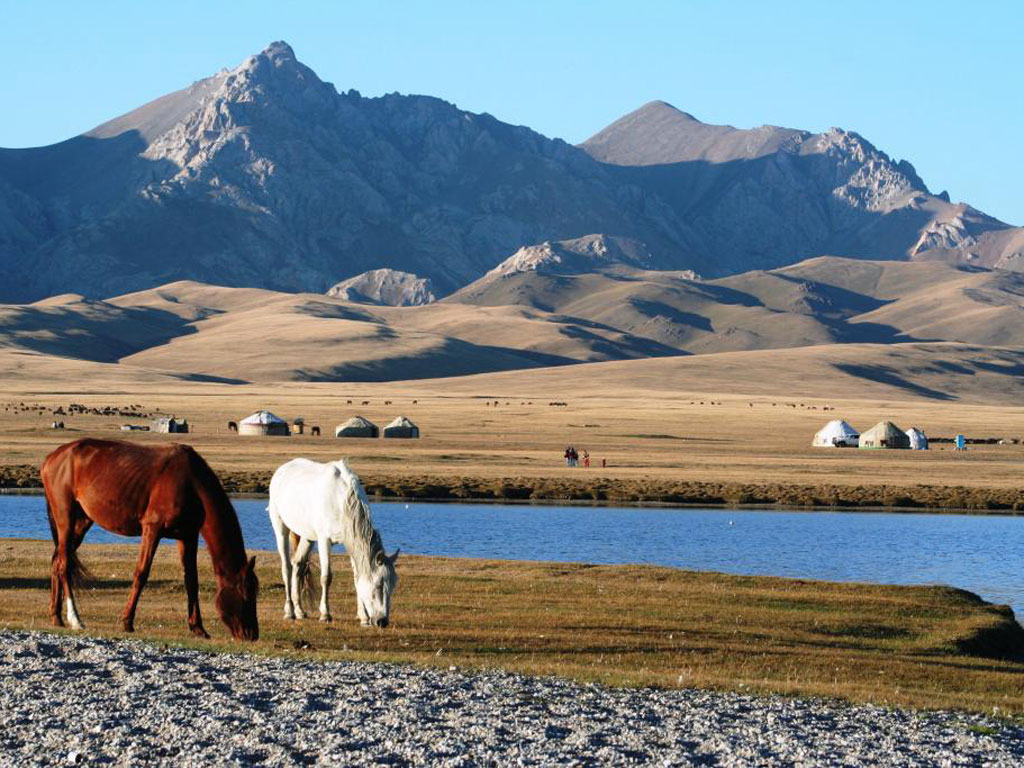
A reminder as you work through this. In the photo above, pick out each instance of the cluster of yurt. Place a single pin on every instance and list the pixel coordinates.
(358, 426)
(263, 423)
(884, 435)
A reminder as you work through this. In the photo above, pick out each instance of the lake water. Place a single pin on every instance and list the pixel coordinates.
(983, 554)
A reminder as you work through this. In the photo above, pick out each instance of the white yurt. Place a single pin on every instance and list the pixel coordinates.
(401, 427)
(918, 439)
(263, 423)
(357, 426)
(836, 434)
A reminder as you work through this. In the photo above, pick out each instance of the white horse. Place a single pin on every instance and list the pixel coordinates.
(325, 503)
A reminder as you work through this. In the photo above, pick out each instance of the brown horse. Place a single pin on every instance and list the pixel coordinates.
(153, 492)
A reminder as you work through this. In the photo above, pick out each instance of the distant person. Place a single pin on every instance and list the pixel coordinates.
(604, 463)
(586, 459)
(568, 456)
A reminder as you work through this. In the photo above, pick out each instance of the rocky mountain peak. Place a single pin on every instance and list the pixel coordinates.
(279, 50)
(579, 255)
(269, 98)
(276, 73)
(660, 134)
(866, 177)
(662, 109)
(386, 287)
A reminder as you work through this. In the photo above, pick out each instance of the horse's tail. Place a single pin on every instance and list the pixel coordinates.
(304, 572)
(77, 574)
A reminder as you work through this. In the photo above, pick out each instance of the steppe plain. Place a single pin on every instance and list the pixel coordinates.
(674, 429)
(729, 427)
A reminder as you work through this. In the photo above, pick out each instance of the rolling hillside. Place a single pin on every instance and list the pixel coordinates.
(871, 320)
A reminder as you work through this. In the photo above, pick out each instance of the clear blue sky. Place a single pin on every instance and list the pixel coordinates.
(938, 83)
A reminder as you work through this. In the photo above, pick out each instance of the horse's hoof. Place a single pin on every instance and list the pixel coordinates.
(57, 621)
(128, 627)
(326, 618)
(200, 632)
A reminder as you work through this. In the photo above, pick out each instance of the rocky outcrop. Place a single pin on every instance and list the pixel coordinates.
(580, 255)
(386, 287)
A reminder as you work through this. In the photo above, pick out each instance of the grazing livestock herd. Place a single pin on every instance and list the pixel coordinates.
(170, 491)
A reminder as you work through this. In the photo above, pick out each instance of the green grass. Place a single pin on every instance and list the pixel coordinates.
(927, 647)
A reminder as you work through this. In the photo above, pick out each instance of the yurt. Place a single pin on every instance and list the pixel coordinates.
(836, 434)
(170, 424)
(263, 423)
(918, 439)
(401, 427)
(884, 434)
(357, 426)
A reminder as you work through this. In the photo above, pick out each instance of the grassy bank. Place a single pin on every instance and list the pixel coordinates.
(593, 487)
(620, 625)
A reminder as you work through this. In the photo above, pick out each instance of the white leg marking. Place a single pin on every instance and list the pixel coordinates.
(73, 621)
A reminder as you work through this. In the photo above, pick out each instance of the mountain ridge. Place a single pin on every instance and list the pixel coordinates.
(264, 175)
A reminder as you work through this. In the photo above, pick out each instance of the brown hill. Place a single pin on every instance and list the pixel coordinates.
(541, 317)
(820, 301)
(937, 372)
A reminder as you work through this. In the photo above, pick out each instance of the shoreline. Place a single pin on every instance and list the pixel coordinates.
(583, 503)
(602, 491)
(858, 642)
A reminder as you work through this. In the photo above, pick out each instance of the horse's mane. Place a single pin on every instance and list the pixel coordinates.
(364, 541)
(216, 500)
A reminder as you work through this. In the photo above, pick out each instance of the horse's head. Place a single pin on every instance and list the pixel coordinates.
(374, 588)
(236, 602)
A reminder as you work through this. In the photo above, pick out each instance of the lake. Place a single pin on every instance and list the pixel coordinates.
(983, 554)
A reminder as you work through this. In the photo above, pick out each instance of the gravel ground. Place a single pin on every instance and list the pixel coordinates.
(82, 700)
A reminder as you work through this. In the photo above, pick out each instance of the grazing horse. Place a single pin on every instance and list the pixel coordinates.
(325, 503)
(153, 492)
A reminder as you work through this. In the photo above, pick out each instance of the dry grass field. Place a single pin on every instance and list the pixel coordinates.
(656, 423)
(915, 646)
(728, 427)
